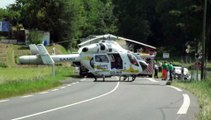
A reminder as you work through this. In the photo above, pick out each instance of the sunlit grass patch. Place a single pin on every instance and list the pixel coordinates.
(27, 73)
(38, 81)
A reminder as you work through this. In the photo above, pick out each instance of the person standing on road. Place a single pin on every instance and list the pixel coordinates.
(156, 69)
(164, 71)
(171, 69)
(182, 73)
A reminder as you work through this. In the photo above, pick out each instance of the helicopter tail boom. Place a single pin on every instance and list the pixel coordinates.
(43, 57)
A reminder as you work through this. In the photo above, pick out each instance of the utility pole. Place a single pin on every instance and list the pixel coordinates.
(203, 41)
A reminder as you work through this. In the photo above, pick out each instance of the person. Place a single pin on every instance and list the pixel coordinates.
(164, 71)
(156, 70)
(182, 73)
(171, 69)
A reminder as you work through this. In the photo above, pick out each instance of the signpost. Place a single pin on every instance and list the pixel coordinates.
(4, 26)
(166, 55)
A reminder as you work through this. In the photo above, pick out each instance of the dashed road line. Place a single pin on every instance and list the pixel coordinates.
(178, 89)
(26, 96)
(63, 87)
(54, 90)
(69, 105)
(43, 92)
(151, 79)
(6, 100)
(83, 79)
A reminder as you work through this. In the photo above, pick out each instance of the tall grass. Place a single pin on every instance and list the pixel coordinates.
(201, 89)
(38, 82)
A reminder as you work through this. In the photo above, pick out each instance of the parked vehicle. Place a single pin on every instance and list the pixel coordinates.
(180, 72)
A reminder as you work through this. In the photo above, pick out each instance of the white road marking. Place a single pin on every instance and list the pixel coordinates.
(151, 79)
(26, 96)
(175, 88)
(83, 79)
(63, 87)
(54, 90)
(43, 92)
(69, 85)
(77, 82)
(62, 107)
(1, 101)
(186, 103)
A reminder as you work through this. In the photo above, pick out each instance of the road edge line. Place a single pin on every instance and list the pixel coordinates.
(69, 105)
(186, 103)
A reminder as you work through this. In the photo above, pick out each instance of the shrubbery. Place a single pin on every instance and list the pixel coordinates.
(3, 65)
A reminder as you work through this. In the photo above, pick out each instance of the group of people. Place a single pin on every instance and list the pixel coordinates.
(167, 71)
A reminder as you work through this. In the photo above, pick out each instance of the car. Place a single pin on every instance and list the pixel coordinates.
(178, 73)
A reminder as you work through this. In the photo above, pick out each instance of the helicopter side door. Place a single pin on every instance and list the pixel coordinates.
(116, 64)
(102, 64)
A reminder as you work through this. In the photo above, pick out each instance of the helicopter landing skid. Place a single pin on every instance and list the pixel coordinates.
(128, 78)
(102, 77)
(125, 78)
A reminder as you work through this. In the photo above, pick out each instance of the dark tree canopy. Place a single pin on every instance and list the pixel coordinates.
(162, 23)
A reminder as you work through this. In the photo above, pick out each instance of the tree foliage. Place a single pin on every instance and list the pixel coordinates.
(156, 22)
(67, 20)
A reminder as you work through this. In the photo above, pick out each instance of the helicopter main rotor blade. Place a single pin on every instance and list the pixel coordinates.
(137, 42)
(106, 36)
(115, 37)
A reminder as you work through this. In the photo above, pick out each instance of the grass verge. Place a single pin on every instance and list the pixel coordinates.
(35, 84)
(202, 90)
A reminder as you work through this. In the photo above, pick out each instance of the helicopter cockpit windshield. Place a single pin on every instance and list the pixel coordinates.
(141, 61)
(132, 59)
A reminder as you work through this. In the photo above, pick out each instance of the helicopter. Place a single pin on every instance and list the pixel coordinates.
(104, 58)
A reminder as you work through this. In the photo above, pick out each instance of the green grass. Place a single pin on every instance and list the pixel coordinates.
(27, 73)
(25, 79)
(33, 82)
(202, 90)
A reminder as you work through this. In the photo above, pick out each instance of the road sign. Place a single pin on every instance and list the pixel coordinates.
(4, 26)
(166, 55)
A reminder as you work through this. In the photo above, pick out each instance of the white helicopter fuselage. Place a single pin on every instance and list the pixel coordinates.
(104, 58)
(108, 58)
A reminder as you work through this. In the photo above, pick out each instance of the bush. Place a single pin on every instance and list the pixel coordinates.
(35, 37)
(3, 65)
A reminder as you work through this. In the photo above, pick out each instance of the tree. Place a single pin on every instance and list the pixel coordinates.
(132, 19)
(67, 20)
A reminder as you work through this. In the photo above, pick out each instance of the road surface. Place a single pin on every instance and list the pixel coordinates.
(143, 99)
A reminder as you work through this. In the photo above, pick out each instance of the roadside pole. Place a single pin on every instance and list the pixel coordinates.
(203, 41)
(53, 70)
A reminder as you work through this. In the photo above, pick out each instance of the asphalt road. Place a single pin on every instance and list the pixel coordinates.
(143, 99)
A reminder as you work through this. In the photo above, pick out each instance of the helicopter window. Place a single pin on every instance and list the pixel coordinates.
(132, 59)
(138, 57)
(101, 58)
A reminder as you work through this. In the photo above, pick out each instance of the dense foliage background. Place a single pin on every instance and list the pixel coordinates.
(167, 24)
